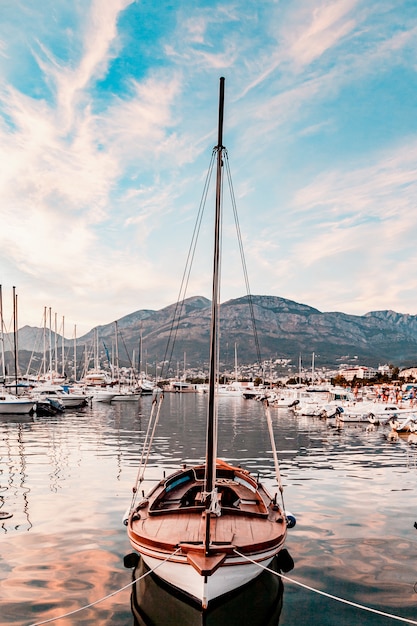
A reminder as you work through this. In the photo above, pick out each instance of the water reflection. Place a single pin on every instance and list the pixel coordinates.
(68, 481)
(13, 485)
(259, 603)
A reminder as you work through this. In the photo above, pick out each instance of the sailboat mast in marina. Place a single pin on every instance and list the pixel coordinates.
(208, 529)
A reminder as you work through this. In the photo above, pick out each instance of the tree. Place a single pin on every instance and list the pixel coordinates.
(339, 381)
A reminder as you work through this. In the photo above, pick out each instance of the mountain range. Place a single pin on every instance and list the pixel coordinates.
(284, 329)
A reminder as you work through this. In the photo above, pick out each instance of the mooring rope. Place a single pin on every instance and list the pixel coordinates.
(265, 404)
(113, 593)
(244, 556)
(327, 595)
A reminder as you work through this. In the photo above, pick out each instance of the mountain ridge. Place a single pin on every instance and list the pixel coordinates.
(285, 330)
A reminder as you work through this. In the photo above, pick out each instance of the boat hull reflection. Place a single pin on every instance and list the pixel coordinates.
(258, 603)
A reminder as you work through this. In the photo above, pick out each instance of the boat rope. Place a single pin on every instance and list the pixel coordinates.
(147, 444)
(178, 311)
(243, 260)
(326, 594)
(110, 595)
(274, 449)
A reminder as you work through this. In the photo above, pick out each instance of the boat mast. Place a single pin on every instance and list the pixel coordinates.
(44, 343)
(63, 346)
(3, 364)
(15, 338)
(55, 343)
(312, 369)
(50, 343)
(140, 355)
(211, 451)
(75, 352)
(116, 338)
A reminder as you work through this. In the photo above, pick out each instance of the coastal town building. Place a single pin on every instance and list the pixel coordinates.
(360, 371)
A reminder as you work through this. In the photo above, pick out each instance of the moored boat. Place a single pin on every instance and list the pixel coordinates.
(154, 602)
(48, 406)
(11, 404)
(208, 529)
(99, 394)
(70, 400)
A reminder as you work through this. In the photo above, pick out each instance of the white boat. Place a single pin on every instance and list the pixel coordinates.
(70, 400)
(14, 405)
(232, 389)
(99, 394)
(125, 394)
(96, 378)
(208, 529)
(283, 398)
(229, 391)
(373, 412)
(342, 404)
(255, 393)
(180, 386)
(146, 387)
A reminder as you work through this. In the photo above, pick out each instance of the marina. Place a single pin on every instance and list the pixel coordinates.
(168, 456)
(65, 482)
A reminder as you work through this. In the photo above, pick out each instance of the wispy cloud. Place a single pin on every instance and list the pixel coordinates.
(107, 119)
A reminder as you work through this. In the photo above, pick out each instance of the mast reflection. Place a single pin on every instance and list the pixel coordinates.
(13, 469)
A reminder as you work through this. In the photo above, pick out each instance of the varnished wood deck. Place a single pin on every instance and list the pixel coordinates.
(175, 516)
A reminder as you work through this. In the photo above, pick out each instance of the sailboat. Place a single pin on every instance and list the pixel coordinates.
(234, 389)
(208, 529)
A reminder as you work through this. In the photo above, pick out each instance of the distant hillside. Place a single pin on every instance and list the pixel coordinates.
(285, 329)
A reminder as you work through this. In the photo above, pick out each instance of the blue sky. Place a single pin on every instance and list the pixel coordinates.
(108, 114)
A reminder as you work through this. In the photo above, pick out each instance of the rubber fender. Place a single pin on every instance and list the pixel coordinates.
(285, 561)
(291, 521)
(131, 560)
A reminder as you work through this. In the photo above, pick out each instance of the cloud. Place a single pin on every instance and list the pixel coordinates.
(322, 27)
(104, 150)
(350, 235)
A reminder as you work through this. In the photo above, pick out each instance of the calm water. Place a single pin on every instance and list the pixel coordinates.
(68, 481)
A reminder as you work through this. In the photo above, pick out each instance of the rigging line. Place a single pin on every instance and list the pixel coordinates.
(146, 445)
(153, 433)
(110, 595)
(242, 255)
(128, 355)
(326, 594)
(37, 342)
(187, 270)
(274, 449)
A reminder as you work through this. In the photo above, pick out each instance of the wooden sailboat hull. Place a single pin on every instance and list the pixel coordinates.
(233, 574)
(257, 604)
(168, 529)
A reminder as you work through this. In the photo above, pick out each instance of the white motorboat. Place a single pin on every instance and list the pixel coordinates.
(71, 399)
(98, 394)
(229, 391)
(15, 405)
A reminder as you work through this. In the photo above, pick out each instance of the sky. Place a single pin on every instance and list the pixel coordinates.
(108, 119)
